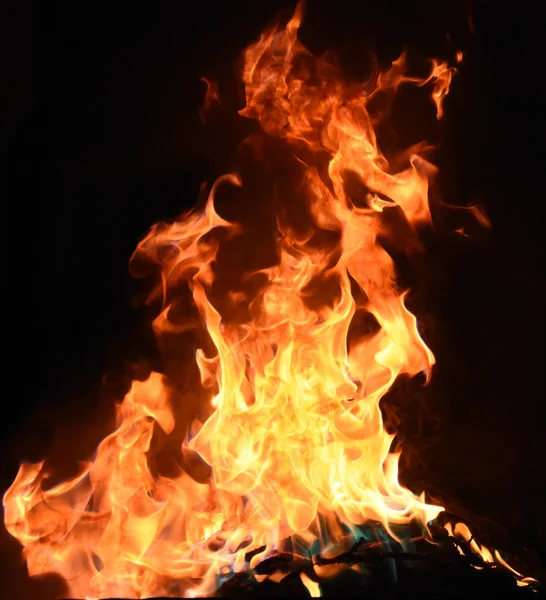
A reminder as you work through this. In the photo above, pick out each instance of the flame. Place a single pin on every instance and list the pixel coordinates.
(211, 99)
(461, 532)
(312, 586)
(295, 440)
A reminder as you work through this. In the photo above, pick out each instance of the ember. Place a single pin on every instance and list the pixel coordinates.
(303, 484)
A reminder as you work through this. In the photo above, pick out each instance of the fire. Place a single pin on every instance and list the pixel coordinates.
(295, 438)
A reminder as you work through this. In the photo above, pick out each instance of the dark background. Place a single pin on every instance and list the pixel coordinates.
(99, 109)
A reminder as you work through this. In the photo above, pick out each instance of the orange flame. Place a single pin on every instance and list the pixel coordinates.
(296, 439)
(461, 532)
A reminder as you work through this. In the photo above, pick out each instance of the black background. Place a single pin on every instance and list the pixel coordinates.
(99, 110)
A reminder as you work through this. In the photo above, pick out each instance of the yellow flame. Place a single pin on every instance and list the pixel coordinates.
(312, 586)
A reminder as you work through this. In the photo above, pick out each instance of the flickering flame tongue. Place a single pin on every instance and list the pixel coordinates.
(296, 440)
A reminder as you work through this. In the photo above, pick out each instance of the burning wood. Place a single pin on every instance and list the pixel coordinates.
(295, 437)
